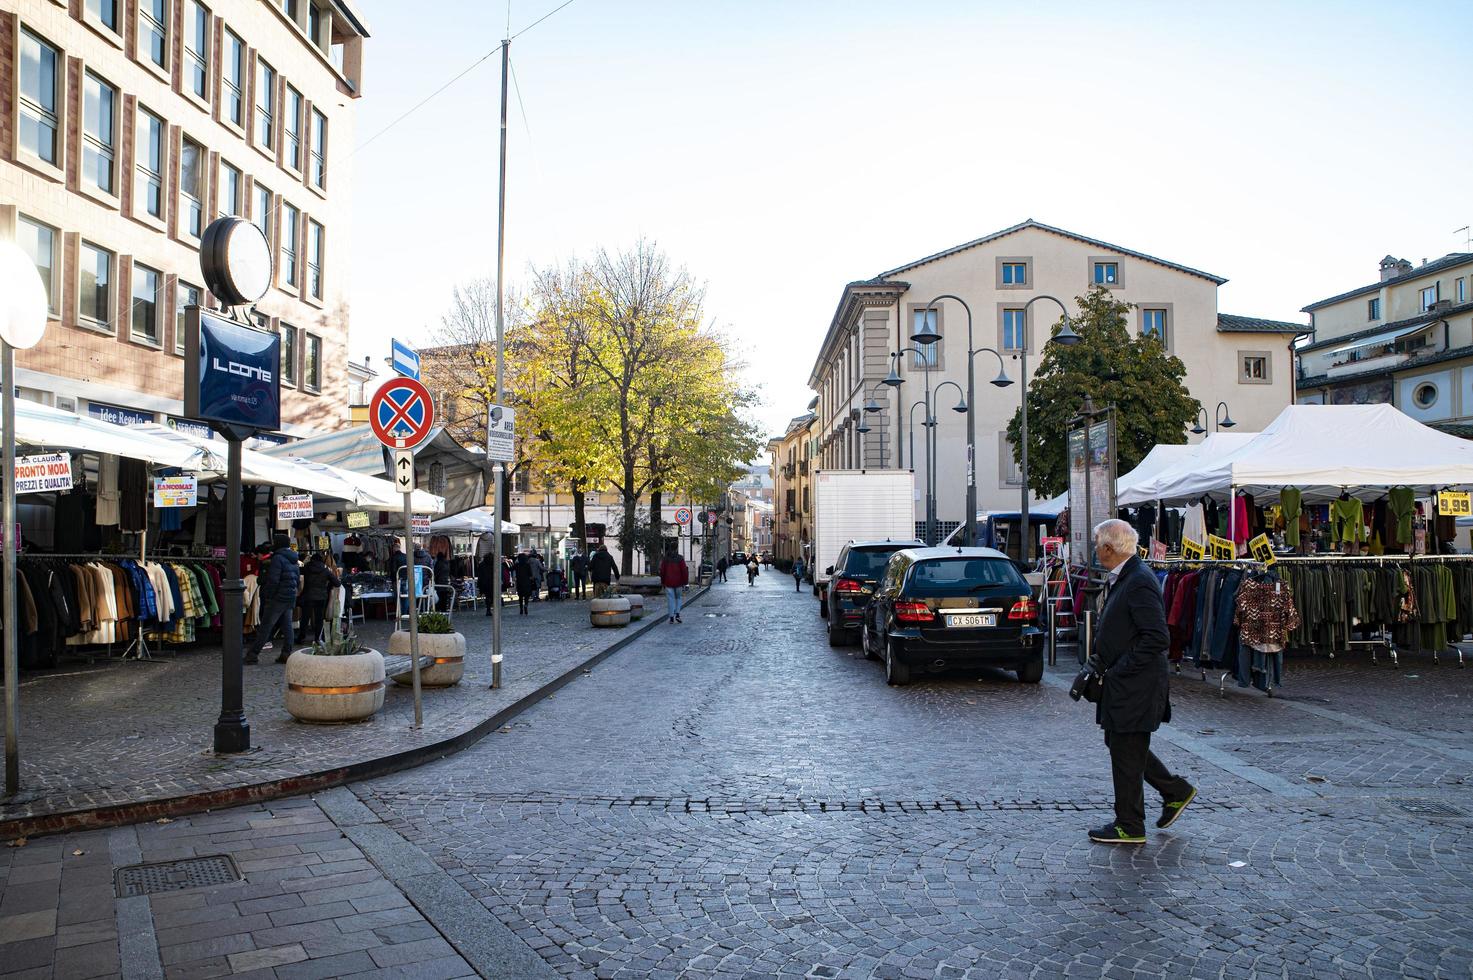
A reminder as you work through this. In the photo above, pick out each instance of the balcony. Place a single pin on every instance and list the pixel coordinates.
(1378, 362)
(803, 468)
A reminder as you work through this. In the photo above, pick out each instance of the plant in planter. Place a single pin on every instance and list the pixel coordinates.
(438, 641)
(338, 679)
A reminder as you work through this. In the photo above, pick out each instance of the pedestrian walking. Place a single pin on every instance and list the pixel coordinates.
(398, 564)
(539, 573)
(579, 567)
(797, 575)
(674, 577)
(603, 571)
(486, 579)
(526, 581)
(1129, 656)
(752, 569)
(721, 568)
(318, 580)
(278, 596)
(442, 577)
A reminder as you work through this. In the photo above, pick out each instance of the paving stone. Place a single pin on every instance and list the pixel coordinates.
(263, 959)
(27, 925)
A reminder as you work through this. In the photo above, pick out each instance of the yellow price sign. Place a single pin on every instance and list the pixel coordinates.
(1142, 552)
(1262, 550)
(1454, 503)
(1192, 550)
(1221, 547)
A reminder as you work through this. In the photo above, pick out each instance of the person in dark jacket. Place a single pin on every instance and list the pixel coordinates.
(674, 577)
(318, 581)
(397, 563)
(578, 565)
(1130, 646)
(442, 577)
(486, 579)
(603, 571)
(721, 568)
(278, 591)
(526, 576)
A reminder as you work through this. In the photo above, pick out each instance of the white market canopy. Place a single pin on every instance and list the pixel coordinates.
(1139, 485)
(477, 520)
(1325, 449)
(48, 428)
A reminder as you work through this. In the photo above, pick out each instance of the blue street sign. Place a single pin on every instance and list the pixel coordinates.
(405, 360)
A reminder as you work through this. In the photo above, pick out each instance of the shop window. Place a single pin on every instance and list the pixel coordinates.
(95, 292)
(147, 291)
(40, 91)
(42, 244)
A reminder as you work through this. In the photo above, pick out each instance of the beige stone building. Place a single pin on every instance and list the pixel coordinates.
(1244, 361)
(1404, 340)
(792, 512)
(126, 127)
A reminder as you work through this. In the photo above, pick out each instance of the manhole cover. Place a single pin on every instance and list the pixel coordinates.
(173, 876)
(1429, 808)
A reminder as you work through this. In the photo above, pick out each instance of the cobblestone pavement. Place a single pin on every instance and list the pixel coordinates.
(120, 732)
(731, 797)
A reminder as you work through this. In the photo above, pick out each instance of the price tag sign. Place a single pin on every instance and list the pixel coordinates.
(358, 518)
(1192, 550)
(294, 507)
(175, 491)
(1221, 548)
(1142, 552)
(1262, 550)
(1454, 503)
(1158, 550)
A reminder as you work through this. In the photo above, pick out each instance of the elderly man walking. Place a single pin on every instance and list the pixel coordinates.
(1131, 640)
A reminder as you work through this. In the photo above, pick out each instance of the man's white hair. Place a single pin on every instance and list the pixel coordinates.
(1116, 535)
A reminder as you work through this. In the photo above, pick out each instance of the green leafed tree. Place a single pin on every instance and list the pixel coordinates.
(1113, 367)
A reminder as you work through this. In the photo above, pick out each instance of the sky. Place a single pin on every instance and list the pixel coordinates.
(781, 149)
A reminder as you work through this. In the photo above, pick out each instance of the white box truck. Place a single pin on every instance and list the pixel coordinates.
(858, 505)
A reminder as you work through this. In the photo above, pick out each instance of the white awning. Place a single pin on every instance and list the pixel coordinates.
(1385, 337)
(477, 520)
(48, 428)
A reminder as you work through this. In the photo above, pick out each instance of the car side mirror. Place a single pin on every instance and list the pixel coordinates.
(829, 570)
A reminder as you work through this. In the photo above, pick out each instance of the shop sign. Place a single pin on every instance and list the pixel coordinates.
(358, 518)
(501, 434)
(1454, 503)
(216, 551)
(117, 415)
(37, 474)
(190, 428)
(420, 524)
(175, 491)
(1222, 549)
(232, 373)
(1192, 550)
(1262, 550)
(294, 507)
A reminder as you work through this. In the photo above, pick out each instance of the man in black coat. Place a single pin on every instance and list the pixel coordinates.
(1130, 646)
(603, 571)
(279, 584)
(578, 565)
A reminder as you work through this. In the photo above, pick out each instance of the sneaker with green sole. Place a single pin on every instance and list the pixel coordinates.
(1171, 809)
(1115, 834)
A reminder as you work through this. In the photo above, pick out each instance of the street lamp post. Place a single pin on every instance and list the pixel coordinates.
(1068, 338)
(1221, 417)
(894, 380)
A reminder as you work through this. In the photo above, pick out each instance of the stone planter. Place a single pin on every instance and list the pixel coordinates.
(447, 649)
(612, 611)
(636, 605)
(644, 584)
(330, 690)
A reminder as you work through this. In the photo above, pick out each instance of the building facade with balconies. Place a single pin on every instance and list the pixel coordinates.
(791, 510)
(1405, 340)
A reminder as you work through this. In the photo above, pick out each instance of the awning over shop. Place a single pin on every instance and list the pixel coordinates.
(477, 520)
(442, 464)
(1379, 339)
(48, 428)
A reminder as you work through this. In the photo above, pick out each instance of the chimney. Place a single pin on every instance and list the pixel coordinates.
(1391, 267)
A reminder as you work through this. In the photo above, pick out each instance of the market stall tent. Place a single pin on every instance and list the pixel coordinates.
(443, 466)
(1161, 458)
(41, 427)
(1136, 487)
(1324, 450)
(477, 520)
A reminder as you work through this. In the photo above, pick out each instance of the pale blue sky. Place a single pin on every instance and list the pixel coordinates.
(782, 149)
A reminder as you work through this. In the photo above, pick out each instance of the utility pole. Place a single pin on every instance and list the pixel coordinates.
(498, 469)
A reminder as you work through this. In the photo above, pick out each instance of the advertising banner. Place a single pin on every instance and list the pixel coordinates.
(357, 518)
(294, 507)
(420, 524)
(175, 491)
(36, 474)
(232, 372)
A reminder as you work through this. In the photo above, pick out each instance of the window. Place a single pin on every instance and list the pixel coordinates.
(1462, 290)
(105, 12)
(1106, 273)
(149, 154)
(288, 354)
(229, 190)
(1014, 329)
(1373, 309)
(1425, 395)
(289, 7)
(1429, 296)
(265, 104)
(40, 243)
(146, 286)
(192, 188)
(197, 49)
(1153, 324)
(314, 259)
(99, 134)
(185, 296)
(40, 99)
(234, 75)
(1009, 473)
(292, 127)
(1255, 367)
(291, 219)
(926, 355)
(1014, 274)
(95, 298)
(318, 175)
(261, 212)
(312, 364)
(314, 23)
(153, 32)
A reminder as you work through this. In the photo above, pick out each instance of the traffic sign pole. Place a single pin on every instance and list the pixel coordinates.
(413, 589)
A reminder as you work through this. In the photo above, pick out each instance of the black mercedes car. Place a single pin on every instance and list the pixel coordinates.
(940, 609)
(852, 580)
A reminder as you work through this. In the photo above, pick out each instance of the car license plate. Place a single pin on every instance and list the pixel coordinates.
(973, 619)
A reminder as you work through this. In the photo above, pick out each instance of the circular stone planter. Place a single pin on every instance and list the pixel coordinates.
(612, 611)
(330, 690)
(636, 605)
(446, 649)
(647, 584)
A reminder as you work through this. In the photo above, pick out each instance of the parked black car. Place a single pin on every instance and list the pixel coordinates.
(852, 580)
(738, 559)
(939, 609)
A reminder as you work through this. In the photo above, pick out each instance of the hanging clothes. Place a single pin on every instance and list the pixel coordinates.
(1402, 504)
(107, 490)
(1242, 529)
(1194, 524)
(1347, 521)
(132, 495)
(1289, 498)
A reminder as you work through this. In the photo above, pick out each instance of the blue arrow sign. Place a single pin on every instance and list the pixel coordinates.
(404, 359)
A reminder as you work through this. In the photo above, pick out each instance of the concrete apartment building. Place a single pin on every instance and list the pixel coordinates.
(1244, 361)
(1404, 340)
(126, 126)
(792, 513)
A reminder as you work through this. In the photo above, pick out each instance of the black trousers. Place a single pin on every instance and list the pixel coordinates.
(580, 585)
(314, 612)
(1132, 763)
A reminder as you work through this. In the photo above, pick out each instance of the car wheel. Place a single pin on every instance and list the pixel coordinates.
(866, 645)
(1032, 672)
(836, 637)
(823, 608)
(897, 674)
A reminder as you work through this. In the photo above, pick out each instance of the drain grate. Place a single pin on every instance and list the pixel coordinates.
(173, 876)
(1429, 808)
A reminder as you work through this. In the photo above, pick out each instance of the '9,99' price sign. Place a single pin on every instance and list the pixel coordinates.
(1454, 503)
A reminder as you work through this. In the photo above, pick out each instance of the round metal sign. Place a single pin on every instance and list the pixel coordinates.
(682, 515)
(401, 413)
(235, 259)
